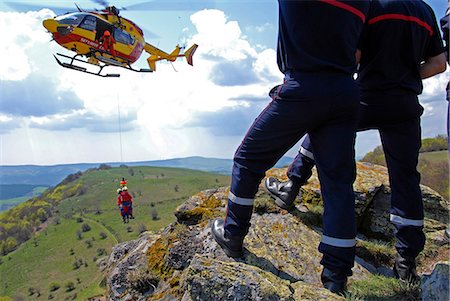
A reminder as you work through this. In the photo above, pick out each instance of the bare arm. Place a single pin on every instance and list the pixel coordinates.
(433, 65)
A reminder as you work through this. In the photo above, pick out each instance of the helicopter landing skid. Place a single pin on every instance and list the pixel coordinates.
(82, 69)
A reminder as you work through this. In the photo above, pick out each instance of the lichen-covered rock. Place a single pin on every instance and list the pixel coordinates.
(209, 279)
(373, 200)
(127, 275)
(435, 287)
(377, 218)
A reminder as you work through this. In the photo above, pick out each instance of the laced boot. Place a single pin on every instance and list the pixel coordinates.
(231, 245)
(284, 193)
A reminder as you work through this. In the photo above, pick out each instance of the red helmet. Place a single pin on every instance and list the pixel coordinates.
(106, 33)
(123, 183)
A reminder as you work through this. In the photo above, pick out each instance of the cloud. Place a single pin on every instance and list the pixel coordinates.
(21, 34)
(7, 124)
(235, 73)
(87, 120)
(234, 121)
(36, 96)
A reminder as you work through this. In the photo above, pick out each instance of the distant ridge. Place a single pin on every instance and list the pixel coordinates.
(50, 175)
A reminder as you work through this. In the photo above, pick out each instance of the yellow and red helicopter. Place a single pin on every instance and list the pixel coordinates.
(104, 38)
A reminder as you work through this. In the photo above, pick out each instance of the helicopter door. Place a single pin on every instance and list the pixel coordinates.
(100, 28)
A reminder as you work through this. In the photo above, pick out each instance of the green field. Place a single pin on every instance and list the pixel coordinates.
(47, 258)
(439, 156)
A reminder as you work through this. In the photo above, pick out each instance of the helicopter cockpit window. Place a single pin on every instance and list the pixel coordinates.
(123, 37)
(88, 23)
(70, 19)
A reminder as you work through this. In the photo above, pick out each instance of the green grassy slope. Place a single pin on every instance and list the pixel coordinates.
(435, 157)
(46, 259)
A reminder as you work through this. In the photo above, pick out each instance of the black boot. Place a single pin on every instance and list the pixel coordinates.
(333, 281)
(231, 245)
(284, 193)
(405, 269)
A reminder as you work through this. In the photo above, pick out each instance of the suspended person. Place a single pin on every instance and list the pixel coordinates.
(123, 185)
(319, 96)
(400, 46)
(108, 42)
(124, 203)
(128, 201)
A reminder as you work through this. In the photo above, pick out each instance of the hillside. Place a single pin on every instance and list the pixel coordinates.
(67, 254)
(53, 174)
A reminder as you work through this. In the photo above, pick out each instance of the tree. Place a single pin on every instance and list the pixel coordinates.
(376, 156)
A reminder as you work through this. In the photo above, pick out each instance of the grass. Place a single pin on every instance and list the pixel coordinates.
(435, 157)
(47, 259)
(379, 288)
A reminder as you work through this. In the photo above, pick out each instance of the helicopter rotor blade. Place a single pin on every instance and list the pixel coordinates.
(24, 7)
(172, 5)
(103, 3)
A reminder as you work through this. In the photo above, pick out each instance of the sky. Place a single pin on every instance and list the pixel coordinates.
(52, 115)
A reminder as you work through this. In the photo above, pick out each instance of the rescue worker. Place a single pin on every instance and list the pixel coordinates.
(319, 96)
(108, 42)
(399, 36)
(125, 201)
(445, 26)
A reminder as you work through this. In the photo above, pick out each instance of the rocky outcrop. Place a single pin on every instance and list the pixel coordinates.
(435, 287)
(281, 260)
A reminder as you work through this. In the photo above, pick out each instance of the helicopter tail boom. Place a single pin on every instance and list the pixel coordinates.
(157, 54)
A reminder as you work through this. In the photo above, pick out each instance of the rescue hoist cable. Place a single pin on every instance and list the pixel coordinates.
(120, 129)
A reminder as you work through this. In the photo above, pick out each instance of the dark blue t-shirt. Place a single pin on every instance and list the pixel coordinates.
(319, 36)
(399, 35)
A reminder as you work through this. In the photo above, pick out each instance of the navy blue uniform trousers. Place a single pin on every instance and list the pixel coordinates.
(397, 118)
(325, 106)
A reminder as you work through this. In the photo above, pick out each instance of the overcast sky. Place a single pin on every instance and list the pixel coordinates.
(52, 115)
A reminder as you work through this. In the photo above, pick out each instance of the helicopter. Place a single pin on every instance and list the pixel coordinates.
(104, 38)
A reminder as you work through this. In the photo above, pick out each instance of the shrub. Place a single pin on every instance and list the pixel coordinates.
(154, 214)
(101, 252)
(103, 235)
(85, 227)
(88, 243)
(70, 286)
(141, 228)
(54, 286)
(79, 220)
